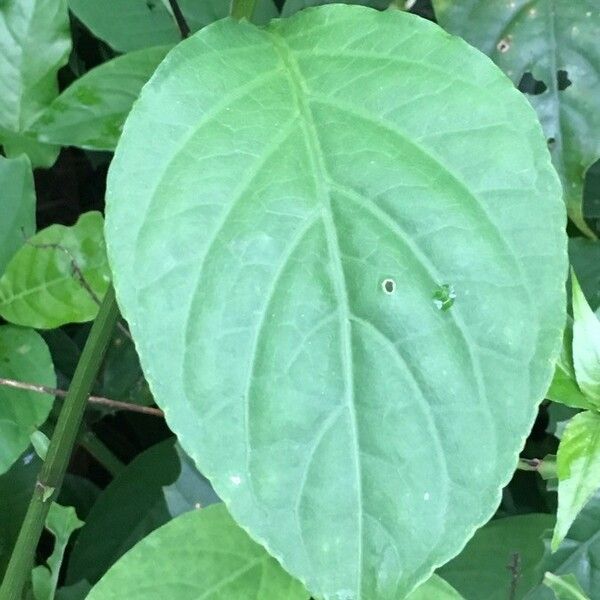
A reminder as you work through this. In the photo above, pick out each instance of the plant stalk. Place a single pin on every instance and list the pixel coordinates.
(63, 439)
(242, 9)
(184, 28)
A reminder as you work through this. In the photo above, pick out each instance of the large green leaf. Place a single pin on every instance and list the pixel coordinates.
(586, 344)
(90, 113)
(556, 42)
(134, 24)
(41, 288)
(17, 206)
(344, 272)
(201, 554)
(156, 486)
(480, 570)
(578, 469)
(24, 356)
(293, 6)
(34, 43)
(435, 588)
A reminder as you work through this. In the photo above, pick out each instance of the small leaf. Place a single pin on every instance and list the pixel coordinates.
(40, 443)
(90, 113)
(17, 206)
(586, 344)
(327, 155)
(435, 588)
(201, 554)
(556, 44)
(24, 356)
(579, 554)
(36, 44)
(159, 484)
(565, 587)
(481, 569)
(62, 521)
(41, 287)
(135, 24)
(578, 469)
(564, 387)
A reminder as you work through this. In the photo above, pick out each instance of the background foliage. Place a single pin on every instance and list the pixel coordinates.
(70, 73)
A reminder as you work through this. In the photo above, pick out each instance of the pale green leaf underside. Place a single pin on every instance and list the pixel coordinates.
(41, 289)
(201, 554)
(90, 113)
(24, 356)
(296, 173)
(17, 206)
(435, 588)
(543, 37)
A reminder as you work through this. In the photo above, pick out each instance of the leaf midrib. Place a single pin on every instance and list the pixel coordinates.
(299, 92)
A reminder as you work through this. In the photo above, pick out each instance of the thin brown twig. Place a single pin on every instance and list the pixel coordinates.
(100, 400)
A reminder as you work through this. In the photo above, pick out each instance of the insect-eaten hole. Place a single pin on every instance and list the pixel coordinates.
(388, 286)
(504, 44)
(551, 142)
(530, 85)
(562, 80)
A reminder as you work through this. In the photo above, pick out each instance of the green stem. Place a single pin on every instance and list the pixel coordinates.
(96, 447)
(242, 9)
(63, 439)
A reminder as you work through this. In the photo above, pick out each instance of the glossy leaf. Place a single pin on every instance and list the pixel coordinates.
(41, 289)
(16, 487)
(565, 587)
(586, 344)
(251, 252)
(34, 44)
(151, 490)
(17, 206)
(556, 43)
(578, 469)
(90, 113)
(24, 356)
(435, 588)
(135, 24)
(61, 521)
(217, 559)
(480, 570)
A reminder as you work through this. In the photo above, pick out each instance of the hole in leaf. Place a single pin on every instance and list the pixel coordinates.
(563, 81)
(150, 4)
(388, 285)
(551, 141)
(504, 44)
(530, 85)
